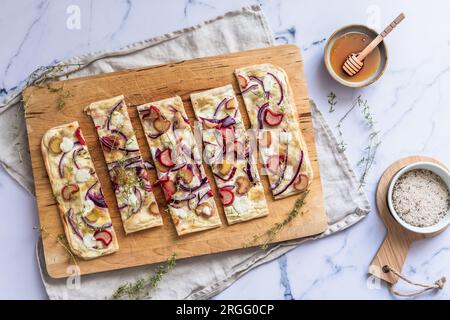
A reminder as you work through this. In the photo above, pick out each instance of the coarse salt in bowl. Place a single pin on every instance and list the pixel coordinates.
(438, 170)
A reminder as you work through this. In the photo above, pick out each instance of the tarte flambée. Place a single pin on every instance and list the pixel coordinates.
(133, 190)
(228, 152)
(83, 210)
(271, 108)
(177, 161)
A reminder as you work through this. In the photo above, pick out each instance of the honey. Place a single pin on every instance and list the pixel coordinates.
(354, 42)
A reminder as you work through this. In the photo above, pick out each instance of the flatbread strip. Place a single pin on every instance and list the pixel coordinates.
(83, 211)
(176, 158)
(228, 149)
(135, 199)
(271, 108)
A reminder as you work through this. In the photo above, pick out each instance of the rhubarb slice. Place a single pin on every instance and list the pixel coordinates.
(165, 158)
(272, 119)
(227, 196)
(104, 236)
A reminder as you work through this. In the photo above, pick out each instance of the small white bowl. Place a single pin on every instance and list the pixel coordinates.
(441, 172)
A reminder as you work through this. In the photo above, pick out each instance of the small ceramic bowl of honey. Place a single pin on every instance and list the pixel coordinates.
(352, 39)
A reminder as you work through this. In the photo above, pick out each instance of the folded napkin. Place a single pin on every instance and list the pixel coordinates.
(206, 276)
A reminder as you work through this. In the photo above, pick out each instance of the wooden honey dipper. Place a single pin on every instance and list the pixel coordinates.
(354, 62)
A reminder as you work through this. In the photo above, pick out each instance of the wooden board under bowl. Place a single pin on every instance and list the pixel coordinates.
(150, 84)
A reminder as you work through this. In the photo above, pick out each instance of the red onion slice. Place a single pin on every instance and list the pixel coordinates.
(184, 198)
(280, 87)
(258, 80)
(250, 88)
(248, 171)
(149, 165)
(60, 165)
(189, 188)
(277, 183)
(120, 134)
(134, 163)
(174, 110)
(230, 176)
(73, 224)
(155, 135)
(178, 167)
(224, 122)
(148, 187)
(96, 197)
(138, 195)
(261, 83)
(221, 103)
(109, 146)
(108, 122)
(74, 157)
(295, 176)
(260, 115)
(228, 187)
(96, 226)
(208, 194)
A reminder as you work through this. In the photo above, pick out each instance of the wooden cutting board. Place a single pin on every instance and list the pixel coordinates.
(150, 84)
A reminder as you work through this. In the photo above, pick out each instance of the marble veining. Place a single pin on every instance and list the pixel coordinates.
(284, 278)
(124, 18)
(41, 9)
(410, 103)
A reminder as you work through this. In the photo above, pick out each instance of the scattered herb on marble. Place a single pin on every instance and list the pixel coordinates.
(366, 162)
(368, 159)
(141, 287)
(39, 77)
(273, 232)
(342, 145)
(61, 240)
(332, 101)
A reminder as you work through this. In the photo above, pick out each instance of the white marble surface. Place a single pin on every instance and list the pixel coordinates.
(411, 104)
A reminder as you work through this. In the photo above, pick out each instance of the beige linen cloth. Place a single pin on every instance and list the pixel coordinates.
(199, 277)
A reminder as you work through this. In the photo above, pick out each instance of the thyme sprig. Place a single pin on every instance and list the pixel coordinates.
(142, 286)
(127, 179)
(63, 95)
(366, 162)
(42, 77)
(342, 145)
(60, 239)
(332, 101)
(273, 232)
(368, 159)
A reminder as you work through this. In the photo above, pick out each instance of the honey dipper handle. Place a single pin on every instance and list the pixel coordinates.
(392, 25)
(363, 54)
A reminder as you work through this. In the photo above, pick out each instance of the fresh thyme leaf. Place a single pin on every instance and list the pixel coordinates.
(332, 101)
(141, 287)
(273, 232)
(61, 240)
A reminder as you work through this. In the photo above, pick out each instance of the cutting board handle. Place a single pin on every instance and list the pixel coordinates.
(392, 252)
